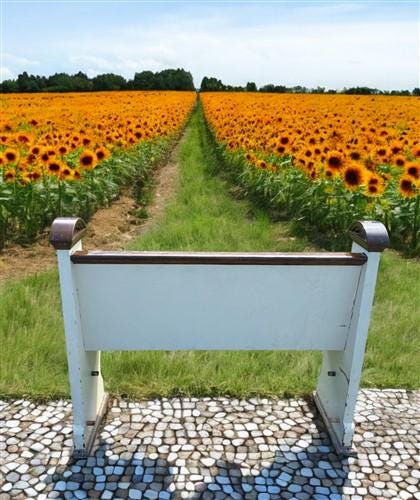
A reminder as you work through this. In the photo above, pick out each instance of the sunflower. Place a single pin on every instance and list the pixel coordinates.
(399, 161)
(2, 160)
(355, 154)
(9, 175)
(383, 153)
(284, 140)
(63, 150)
(102, 153)
(86, 141)
(396, 147)
(335, 160)
(372, 190)
(329, 173)
(66, 174)
(88, 159)
(76, 174)
(413, 170)
(35, 150)
(25, 178)
(353, 176)
(407, 187)
(35, 174)
(24, 139)
(54, 167)
(300, 160)
(30, 158)
(313, 173)
(279, 148)
(416, 151)
(4, 139)
(375, 185)
(11, 155)
(250, 157)
(43, 155)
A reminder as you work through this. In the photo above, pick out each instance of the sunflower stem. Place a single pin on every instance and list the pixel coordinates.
(415, 222)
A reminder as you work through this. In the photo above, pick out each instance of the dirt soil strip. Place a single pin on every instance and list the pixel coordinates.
(111, 228)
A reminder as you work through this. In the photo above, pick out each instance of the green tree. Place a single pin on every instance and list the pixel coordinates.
(8, 86)
(145, 80)
(60, 82)
(211, 84)
(109, 81)
(81, 82)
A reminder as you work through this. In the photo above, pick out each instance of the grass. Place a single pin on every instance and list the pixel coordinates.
(205, 216)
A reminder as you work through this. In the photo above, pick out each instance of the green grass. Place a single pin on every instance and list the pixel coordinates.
(204, 215)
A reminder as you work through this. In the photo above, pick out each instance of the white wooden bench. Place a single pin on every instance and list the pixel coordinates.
(171, 300)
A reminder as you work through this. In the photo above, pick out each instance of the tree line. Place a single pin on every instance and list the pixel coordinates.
(212, 84)
(167, 79)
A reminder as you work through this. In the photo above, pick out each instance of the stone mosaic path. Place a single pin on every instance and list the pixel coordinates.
(213, 448)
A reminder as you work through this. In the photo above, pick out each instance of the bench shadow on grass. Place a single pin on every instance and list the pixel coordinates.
(300, 468)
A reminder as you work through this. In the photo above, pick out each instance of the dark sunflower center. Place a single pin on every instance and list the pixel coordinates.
(352, 177)
(334, 162)
(87, 160)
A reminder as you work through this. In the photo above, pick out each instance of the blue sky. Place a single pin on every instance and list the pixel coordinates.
(332, 43)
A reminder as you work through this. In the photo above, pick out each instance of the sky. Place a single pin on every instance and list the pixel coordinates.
(332, 44)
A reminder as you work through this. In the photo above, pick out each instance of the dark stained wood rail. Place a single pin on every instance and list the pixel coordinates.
(230, 259)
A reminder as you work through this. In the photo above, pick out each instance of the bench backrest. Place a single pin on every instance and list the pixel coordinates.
(215, 301)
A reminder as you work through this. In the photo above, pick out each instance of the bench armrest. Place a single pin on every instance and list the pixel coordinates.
(371, 235)
(66, 232)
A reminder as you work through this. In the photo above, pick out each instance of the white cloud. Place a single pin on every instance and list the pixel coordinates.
(12, 65)
(17, 60)
(328, 44)
(6, 73)
(378, 54)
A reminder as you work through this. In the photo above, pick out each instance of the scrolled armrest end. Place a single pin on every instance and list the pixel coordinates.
(65, 232)
(371, 235)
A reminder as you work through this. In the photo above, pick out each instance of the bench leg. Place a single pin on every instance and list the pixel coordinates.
(339, 380)
(89, 401)
(86, 383)
(335, 399)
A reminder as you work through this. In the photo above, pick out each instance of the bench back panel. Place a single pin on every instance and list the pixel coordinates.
(169, 307)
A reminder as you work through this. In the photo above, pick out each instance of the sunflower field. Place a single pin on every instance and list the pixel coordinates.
(324, 160)
(67, 154)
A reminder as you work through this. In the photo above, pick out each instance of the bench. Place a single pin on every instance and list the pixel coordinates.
(258, 301)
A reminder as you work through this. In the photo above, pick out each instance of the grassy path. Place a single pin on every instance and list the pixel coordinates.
(203, 215)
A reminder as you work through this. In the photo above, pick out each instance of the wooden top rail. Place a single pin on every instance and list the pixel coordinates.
(204, 258)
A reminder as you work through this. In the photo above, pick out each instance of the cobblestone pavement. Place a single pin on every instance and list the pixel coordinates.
(213, 448)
